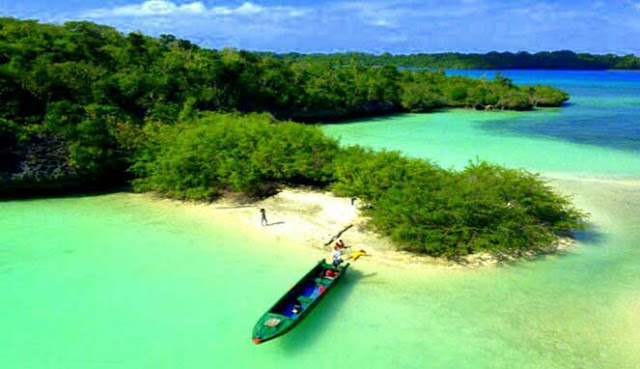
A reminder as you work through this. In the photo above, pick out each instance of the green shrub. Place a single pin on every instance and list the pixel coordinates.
(547, 96)
(247, 154)
(420, 206)
(438, 212)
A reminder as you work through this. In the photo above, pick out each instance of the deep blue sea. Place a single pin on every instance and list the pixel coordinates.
(604, 108)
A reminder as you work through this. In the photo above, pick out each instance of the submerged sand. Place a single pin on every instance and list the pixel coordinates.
(179, 278)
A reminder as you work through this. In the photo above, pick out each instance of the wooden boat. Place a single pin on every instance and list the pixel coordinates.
(298, 302)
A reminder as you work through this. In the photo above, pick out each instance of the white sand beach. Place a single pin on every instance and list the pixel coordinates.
(311, 219)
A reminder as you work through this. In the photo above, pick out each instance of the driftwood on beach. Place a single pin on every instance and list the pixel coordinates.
(337, 235)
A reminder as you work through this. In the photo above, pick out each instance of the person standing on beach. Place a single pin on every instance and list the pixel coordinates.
(263, 217)
(337, 256)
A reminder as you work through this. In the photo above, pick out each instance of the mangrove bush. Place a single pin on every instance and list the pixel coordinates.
(423, 208)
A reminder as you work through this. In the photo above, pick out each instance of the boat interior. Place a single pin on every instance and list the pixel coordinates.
(303, 294)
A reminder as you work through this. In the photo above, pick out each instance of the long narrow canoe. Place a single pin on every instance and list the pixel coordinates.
(298, 302)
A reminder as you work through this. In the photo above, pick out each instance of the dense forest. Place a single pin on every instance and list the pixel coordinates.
(71, 93)
(493, 60)
(84, 105)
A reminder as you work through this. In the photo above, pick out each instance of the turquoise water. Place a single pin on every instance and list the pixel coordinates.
(577, 310)
(453, 138)
(126, 281)
(602, 114)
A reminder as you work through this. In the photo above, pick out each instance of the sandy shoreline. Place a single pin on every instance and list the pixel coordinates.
(310, 219)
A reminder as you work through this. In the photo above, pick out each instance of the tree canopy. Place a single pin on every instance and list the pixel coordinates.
(78, 93)
(563, 59)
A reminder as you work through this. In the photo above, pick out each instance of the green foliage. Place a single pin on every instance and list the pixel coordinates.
(422, 207)
(547, 96)
(85, 101)
(493, 60)
(91, 133)
(366, 174)
(220, 153)
(430, 210)
(424, 91)
(93, 87)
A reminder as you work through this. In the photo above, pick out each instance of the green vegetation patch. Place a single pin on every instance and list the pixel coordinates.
(422, 207)
(563, 59)
(83, 102)
(430, 210)
(222, 153)
(80, 92)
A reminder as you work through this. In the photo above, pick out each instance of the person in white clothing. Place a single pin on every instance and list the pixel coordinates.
(337, 256)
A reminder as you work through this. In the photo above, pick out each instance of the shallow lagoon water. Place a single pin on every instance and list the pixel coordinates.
(453, 138)
(602, 114)
(124, 281)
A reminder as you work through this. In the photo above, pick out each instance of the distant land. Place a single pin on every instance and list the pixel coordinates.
(563, 60)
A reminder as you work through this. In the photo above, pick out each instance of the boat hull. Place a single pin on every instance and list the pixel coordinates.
(295, 305)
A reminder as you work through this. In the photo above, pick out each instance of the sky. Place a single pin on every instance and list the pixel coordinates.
(396, 26)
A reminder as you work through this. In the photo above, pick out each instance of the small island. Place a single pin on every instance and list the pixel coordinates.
(86, 106)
